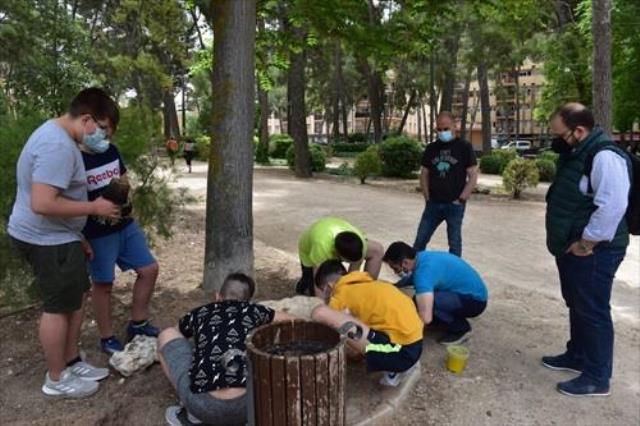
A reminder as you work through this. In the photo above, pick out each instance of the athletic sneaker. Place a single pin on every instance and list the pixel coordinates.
(111, 345)
(179, 416)
(85, 371)
(394, 379)
(145, 329)
(454, 338)
(69, 386)
(562, 362)
(582, 386)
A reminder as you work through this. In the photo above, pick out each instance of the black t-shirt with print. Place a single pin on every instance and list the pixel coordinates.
(447, 163)
(219, 331)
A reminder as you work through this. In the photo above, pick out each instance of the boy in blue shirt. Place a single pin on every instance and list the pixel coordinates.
(118, 241)
(447, 288)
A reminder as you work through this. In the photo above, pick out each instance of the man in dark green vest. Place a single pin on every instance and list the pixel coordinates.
(587, 234)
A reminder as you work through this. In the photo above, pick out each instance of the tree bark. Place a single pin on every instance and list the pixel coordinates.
(263, 143)
(419, 118)
(297, 109)
(602, 86)
(229, 223)
(338, 87)
(485, 107)
(465, 104)
(171, 126)
(448, 89)
(410, 105)
(433, 100)
(517, 94)
(374, 90)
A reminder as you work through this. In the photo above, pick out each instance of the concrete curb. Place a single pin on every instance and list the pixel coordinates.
(383, 415)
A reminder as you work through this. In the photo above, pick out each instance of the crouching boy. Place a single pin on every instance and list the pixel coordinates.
(391, 341)
(210, 376)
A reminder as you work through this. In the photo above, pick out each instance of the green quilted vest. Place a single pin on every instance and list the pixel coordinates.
(568, 210)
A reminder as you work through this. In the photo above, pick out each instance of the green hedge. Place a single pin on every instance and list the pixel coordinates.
(400, 156)
(279, 144)
(496, 162)
(339, 148)
(546, 169)
(318, 158)
(357, 138)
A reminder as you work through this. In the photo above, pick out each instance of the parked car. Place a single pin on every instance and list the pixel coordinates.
(518, 145)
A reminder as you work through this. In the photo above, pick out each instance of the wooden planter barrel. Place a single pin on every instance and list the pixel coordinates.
(296, 389)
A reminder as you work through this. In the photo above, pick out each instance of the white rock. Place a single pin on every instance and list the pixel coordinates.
(138, 354)
(298, 306)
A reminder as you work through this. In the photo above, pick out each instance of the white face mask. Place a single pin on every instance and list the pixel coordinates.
(445, 136)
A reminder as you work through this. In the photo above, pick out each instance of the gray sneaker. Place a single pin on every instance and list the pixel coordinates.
(69, 386)
(85, 371)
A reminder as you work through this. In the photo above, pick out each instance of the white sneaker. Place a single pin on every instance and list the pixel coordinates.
(85, 371)
(69, 386)
(391, 379)
(177, 415)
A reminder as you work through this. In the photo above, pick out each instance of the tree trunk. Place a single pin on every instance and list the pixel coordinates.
(337, 90)
(374, 84)
(424, 122)
(171, 126)
(465, 104)
(433, 101)
(406, 111)
(262, 155)
(517, 94)
(601, 89)
(297, 108)
(448, 89)
(419, 117)
(345, 118)
(485, 107)
(229, 223)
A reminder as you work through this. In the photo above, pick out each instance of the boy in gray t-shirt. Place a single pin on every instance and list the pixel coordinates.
(45, 225)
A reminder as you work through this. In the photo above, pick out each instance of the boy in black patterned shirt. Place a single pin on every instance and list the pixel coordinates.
(210, 375)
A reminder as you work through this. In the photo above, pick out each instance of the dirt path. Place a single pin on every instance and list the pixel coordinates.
(503, 384)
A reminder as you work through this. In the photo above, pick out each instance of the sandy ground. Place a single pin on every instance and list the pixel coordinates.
(504, 382)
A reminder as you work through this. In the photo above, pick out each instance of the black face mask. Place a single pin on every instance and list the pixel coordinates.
(560, 146)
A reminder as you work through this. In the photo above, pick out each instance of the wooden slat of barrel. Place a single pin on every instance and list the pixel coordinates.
(322, 389)
(334, 386)
(307, 382)
(264, 390)
(278, 390)
(294, 397)
(342, 374)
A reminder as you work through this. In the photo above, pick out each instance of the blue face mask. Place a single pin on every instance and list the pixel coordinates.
(446, 136)
(97, 142)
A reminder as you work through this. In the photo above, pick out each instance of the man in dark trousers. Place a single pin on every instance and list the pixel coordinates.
(587, 234)
(447, 178)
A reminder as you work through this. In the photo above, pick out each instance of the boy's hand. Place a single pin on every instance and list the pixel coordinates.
(105, 208)
(88, 251)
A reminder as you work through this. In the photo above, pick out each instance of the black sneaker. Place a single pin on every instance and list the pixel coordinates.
(562, 362)
(582, 386)
(454, 338)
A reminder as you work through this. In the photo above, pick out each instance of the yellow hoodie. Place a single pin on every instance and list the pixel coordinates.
(379, 305)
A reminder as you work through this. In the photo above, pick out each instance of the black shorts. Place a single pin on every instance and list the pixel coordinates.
(60, 272)
(383, 355)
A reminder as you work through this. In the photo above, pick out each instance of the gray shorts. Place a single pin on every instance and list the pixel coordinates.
(177, 355)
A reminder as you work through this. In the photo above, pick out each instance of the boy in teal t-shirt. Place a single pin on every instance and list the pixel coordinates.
(334, 238)
(447, 288)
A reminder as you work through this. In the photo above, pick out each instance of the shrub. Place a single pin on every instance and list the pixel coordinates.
(400, 156)
(356, 137)
(368, 164)
(339, 148)
(279, 144)
(318, 158)
(519, 175)
(546, 169)
(549, 155)
(203, 147)
(490, 164)
(495, 162)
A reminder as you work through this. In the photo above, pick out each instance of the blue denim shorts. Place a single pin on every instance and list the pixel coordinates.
(126, 248)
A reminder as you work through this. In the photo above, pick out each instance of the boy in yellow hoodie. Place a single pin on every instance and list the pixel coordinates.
(392, 330)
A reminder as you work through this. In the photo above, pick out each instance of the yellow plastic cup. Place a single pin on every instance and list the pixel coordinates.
(457, 357)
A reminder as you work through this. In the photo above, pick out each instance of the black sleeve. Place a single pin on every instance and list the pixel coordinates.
(426, 158)
(187, 324)
(123, 168)
(262, 315)
(471, 160)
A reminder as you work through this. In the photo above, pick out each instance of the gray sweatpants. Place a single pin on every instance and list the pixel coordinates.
(220, 412)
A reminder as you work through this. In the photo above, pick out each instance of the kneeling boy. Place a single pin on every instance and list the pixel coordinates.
(210, 377)
(392, 330)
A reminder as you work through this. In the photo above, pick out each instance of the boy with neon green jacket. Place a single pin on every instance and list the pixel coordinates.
(334, 238)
